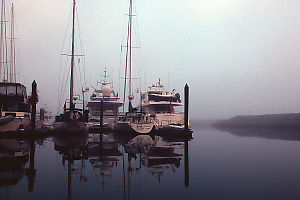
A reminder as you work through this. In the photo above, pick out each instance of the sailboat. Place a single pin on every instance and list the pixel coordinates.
(72, 120)
(14, 106)
(133, 121)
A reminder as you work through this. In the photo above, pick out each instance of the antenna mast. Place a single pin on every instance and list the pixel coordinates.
(72, 59)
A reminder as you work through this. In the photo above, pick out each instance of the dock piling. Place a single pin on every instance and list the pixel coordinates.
(186, 107)
(33, 102)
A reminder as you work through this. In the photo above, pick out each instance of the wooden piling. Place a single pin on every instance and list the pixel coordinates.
(186, 107)
(33, 102)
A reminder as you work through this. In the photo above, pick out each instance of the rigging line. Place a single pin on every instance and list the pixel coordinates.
(64, 88)
(140, 61)
(77, 73)
(142, 64)
(80, 42)
(60, 81)
(63, 85)
(66, 31)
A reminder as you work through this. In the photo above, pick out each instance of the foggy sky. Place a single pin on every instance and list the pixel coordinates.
(238, 56)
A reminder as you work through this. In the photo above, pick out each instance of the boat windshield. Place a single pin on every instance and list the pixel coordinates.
(3, 90)
(13, 90)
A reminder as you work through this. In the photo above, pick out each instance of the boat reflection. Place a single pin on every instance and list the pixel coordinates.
(103, 154)
(14, 154)
(107, 153)
(157, 155)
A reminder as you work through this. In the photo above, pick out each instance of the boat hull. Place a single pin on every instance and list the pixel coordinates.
(136, 128)
(70, 126)
(14, 124)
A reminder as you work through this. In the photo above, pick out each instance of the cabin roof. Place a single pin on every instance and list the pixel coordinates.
(11, 84)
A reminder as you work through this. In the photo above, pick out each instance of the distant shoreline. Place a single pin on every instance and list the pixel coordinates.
(270, 121)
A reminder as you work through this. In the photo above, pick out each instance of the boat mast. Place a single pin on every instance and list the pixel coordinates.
(3, 44)
(13, 77)
(128, 60)
(1, 40)
(72, 59)
(130, 97)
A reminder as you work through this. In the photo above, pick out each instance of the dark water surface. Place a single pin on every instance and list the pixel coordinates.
(238, 164)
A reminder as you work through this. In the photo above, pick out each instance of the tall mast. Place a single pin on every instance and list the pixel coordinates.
(3, 44)
(128, 59)
(12, 70)
(5, 52)
(72, 60)
(130, 30)
(1, 41)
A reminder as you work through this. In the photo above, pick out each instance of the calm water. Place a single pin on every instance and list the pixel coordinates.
(239, 164)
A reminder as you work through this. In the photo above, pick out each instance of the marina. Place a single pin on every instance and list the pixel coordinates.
(132, 99)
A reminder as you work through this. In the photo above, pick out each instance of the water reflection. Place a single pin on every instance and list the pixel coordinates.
(72, 148)
(113, 161)
(157, 155)
(103, 154)
(31, 171)
(14, 155)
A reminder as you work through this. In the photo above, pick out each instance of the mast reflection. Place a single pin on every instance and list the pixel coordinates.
(71, 148)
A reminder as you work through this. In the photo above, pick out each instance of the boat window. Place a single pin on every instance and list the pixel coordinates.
(3, 90)
(152, 92)
(162, 109)
(11, 90)
(19, 90)
(162, 98)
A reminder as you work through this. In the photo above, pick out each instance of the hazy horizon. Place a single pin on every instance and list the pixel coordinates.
(238, 56)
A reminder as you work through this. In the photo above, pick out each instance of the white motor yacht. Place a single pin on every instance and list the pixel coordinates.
(159, 102)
